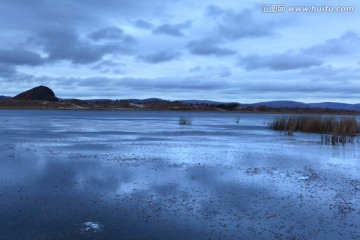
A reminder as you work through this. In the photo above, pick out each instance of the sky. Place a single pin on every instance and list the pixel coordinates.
(227, 50)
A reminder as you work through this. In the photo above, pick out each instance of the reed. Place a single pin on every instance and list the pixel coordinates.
(185, 121)
(333, 130)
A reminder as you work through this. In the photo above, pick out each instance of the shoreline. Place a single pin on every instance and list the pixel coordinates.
(176, 106)
(277, 111)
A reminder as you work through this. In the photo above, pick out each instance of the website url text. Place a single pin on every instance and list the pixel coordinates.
(282, 8)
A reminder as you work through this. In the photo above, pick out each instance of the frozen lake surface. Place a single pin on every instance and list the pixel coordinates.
(139, 175)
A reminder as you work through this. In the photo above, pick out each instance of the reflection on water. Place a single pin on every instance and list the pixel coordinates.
(139, 175)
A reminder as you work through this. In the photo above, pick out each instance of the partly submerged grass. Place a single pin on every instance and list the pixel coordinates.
(333, 130)
(185, 121)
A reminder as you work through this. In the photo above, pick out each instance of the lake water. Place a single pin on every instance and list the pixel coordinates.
(140, 175)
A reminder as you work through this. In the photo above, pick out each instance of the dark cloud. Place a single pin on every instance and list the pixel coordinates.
(111, 33)
(172, 29)
(143, 24)
(237, 25)
(208, 47)
(243, 25)
(7, 70)
(18, 56)
(343, 45)
(63, 43)
(279, 62)
(159, 57)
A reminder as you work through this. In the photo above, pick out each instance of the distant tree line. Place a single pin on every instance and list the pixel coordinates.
(229, 106)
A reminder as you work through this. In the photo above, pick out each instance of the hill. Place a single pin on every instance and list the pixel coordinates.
(38, 93)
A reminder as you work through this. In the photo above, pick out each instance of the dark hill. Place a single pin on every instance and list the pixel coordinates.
(38, 93)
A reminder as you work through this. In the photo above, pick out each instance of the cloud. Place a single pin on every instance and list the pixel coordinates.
(208, 47)
(159, 57)
(225, 72)
(172, 29)
(214, 11)
(62, 43)
(18, 56)
(196, 69)
(329, 73)
(279, 62)
(143, 24)
(211, 72)
(302, 87)
(106, 63)
(343, 45)
(171, 83)
(111, 33)
(107, 66)
(242, 25)
(35, 14)
(109, 85)
(97, 36)
(238, 25)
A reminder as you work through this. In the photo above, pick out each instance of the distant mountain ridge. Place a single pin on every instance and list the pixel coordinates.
(46, 94)
(336, 105)
(294, 104)
(145, 100)
(273, 104)
(4, 97)
(288, 104)
(204, 102)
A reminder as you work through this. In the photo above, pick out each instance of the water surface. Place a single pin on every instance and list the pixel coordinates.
(139, 175)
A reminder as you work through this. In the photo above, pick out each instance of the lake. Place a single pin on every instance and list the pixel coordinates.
(141, 175)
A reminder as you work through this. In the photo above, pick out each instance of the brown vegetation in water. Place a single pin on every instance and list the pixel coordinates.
(333, 130)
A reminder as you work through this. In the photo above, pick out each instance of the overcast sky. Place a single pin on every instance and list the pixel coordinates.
(228, 50)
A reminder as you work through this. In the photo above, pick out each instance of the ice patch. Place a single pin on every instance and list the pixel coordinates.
(303, 178)
(92, 227)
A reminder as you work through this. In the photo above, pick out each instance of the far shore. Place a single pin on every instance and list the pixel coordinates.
(162, 106)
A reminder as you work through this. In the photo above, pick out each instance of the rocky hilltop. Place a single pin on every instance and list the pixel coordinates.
(38, 93)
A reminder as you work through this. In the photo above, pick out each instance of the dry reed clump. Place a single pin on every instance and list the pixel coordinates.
(333, 130)
(185, 121)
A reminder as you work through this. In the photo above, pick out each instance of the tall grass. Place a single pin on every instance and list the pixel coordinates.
(185, 121)
(333, 130)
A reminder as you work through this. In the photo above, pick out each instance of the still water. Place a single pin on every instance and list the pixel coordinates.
(140, 175)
